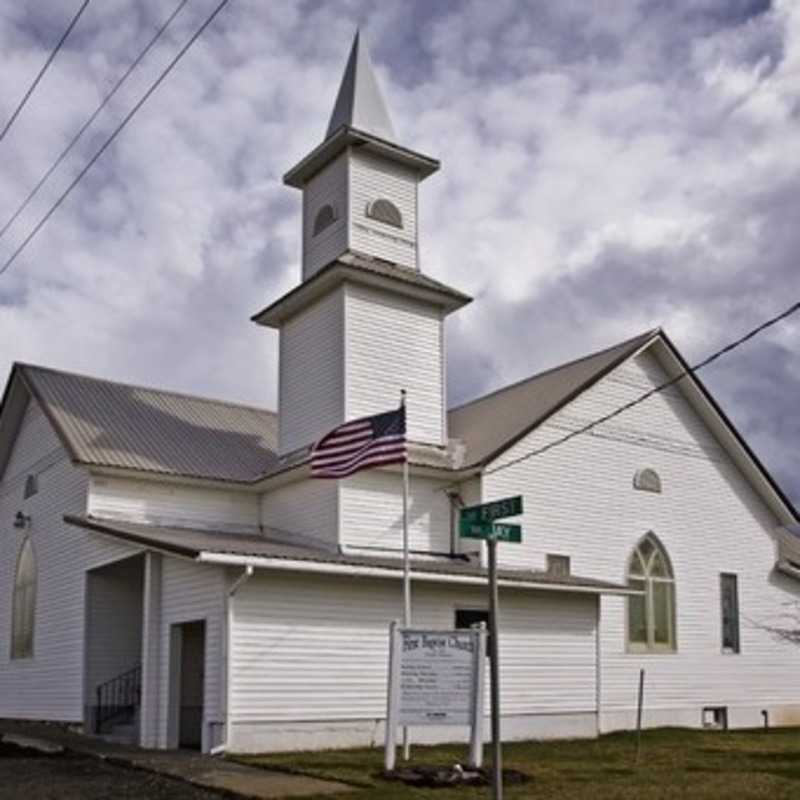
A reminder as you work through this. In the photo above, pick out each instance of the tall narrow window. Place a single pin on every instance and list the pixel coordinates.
(31, 487)
(651, 615)
(24, 603)
(729, 593)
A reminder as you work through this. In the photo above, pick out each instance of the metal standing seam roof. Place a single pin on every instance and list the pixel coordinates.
(118, 425)
(192, 542)
(108, 424)
(492, 423)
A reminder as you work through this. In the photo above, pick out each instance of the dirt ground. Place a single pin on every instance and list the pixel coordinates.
(29, 775)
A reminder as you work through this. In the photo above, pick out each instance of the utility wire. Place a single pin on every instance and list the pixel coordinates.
(648, 394)
(113, 135)
(43, 69)
(135, 63)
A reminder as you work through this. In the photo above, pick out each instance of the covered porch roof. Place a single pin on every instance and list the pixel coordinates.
(271, 551)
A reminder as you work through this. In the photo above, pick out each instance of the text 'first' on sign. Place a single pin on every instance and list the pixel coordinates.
(499, 509)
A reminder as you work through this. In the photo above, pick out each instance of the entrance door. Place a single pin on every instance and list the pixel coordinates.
(187, 663)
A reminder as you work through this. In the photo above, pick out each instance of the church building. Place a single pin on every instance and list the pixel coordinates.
(172, 574)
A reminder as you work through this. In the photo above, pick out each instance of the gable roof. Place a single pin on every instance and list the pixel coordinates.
(106, 424)
(103, 423)
(492, 423)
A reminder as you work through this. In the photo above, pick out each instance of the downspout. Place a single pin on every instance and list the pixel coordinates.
(456, 502)
(598, 703)
(245, 576)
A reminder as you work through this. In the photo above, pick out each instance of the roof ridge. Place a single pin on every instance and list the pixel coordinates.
(646, 334)
(169, 392)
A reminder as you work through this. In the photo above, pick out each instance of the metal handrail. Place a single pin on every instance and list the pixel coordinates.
(122, 693)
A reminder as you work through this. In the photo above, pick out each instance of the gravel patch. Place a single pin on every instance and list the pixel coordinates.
(32, 775)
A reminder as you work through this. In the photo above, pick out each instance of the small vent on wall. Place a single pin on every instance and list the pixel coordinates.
(558, 565)
(386, 212)
(647, 480)
(326, 216)
(31, 487)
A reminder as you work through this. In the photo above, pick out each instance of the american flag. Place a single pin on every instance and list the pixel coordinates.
(359, 444)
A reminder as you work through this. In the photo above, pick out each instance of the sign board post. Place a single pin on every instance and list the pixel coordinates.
(435, 678)
(478, 522)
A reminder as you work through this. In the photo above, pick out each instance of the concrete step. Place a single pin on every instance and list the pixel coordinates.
(127, 733)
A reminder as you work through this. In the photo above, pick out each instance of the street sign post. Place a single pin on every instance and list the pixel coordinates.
(479, 522)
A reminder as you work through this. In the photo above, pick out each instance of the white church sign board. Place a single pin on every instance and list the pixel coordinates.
(436, 678)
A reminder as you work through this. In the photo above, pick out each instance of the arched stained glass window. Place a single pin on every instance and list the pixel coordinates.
(24, 603)
(651, 615)
(385, 211)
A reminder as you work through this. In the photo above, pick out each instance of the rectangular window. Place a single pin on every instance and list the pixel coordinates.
(729, 594)
(558, 565)
(467, 617)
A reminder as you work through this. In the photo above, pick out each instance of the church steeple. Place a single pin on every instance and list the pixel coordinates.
(363, 323)
(360, 104)
(359, 186)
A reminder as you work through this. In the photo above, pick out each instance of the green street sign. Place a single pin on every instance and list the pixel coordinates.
(499, 531)
(497, 509)
(505, 532)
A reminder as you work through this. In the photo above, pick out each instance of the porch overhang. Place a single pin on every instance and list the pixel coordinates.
(272, 550)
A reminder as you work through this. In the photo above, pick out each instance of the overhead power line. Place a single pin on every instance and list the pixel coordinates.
(153, 86)
(135, 63)
(42, 71)
(648, 394)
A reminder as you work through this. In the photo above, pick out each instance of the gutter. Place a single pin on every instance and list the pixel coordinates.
(245, 576)
(348, 570)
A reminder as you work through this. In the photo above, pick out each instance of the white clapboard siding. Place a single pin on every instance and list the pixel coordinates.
(311, 387)
(395, 343)
(328, 186)
(193, 592)
(308, 509)
(310, 648)
(159, 503)
(49, 685)
(373, 178)
(580, 501)
(372, 512)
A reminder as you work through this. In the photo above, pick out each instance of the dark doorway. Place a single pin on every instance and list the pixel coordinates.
(188, 682)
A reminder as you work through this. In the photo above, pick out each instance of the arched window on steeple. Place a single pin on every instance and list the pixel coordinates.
(651, 615)
(24, 603)
(385, 211)
(326, 216)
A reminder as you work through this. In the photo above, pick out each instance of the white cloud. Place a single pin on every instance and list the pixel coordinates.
(606, 167)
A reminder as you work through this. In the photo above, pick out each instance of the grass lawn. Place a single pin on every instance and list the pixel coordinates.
(675, 763)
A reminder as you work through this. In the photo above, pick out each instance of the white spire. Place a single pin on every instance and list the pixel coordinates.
(360, 104)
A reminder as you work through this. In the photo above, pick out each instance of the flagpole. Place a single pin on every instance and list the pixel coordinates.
(406, 572)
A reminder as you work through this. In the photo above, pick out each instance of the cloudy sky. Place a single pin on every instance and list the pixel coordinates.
(607, 167)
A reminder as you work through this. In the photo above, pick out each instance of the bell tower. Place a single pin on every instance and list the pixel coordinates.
(359, 186)
(364, 322)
